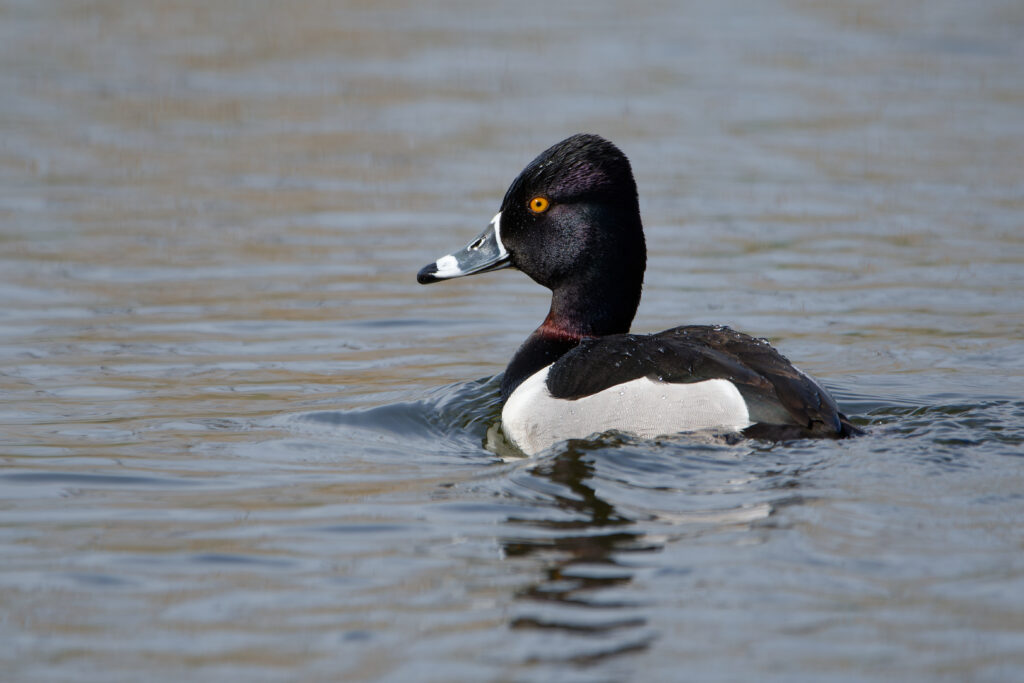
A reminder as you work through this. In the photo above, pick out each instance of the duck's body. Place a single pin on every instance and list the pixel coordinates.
(571, 221)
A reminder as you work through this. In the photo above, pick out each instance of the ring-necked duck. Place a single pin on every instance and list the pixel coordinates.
(571, 221)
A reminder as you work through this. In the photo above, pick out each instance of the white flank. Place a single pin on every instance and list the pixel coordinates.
(534, 420)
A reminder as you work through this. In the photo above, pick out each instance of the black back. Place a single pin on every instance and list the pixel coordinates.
(783, 402)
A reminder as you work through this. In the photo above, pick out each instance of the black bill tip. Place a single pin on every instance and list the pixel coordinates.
(427, 274)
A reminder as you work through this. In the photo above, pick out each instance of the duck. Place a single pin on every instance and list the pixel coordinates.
(571, 222)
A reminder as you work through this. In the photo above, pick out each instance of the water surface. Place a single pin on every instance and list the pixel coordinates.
(238, 441)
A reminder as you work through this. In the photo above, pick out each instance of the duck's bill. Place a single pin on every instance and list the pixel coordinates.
(482, 255)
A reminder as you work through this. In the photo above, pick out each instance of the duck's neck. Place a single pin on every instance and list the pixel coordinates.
(577, 312)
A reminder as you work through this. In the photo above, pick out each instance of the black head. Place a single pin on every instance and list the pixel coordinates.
(573, 215)
(571, 221)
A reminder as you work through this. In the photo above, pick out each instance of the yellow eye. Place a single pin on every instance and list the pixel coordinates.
(539, 204)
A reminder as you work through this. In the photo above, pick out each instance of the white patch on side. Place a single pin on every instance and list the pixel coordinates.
(534, 420)
(447, 266)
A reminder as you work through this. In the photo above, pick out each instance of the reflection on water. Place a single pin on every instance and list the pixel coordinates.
(579, 563)
(237, 441)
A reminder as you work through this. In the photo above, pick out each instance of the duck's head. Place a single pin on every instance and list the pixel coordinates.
(571, 221)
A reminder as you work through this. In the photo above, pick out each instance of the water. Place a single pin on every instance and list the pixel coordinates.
(239, 442)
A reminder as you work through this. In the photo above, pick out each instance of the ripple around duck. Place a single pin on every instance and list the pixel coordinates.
(452, 419)
(589, 513)
(953, 434)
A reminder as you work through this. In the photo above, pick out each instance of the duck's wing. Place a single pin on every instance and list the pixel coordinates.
(782, 401)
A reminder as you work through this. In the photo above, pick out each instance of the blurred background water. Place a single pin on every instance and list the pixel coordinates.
(237, 441)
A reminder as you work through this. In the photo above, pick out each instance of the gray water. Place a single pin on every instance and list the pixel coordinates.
(238, 442)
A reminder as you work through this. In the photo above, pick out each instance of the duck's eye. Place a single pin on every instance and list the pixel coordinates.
(539, 204)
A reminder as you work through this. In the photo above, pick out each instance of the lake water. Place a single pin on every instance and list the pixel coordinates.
(239, 442)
